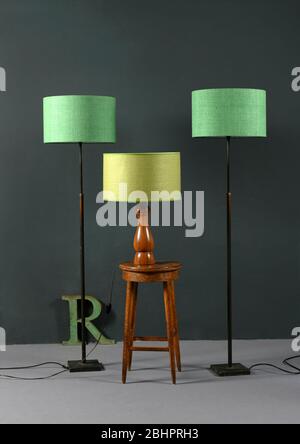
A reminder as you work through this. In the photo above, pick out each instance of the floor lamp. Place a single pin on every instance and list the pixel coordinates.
(229, 112)
(80, 119)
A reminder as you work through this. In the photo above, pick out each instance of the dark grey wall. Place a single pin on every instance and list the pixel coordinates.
(150, 55)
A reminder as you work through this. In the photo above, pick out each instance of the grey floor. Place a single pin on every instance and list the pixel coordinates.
(149, 397)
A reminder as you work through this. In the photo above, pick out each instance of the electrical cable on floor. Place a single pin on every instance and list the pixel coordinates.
(65, 368)
(283, 370)
(20, 378)
(285, 362)
(40, 365)
(33, 366)
(25, 367)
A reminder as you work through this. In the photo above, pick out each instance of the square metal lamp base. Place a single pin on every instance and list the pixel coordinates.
(87, 366)
(225, 370)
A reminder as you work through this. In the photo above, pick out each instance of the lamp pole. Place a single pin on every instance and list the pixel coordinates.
(229, 286)
(229, 369)
(84, 365)
(82, 258)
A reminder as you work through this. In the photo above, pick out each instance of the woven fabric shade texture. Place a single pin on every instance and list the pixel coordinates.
(236, 112)
(79, 118)
(144, 172)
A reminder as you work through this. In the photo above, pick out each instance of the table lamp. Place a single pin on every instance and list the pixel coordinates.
(145, 173)
(229, 112)
(80, 119)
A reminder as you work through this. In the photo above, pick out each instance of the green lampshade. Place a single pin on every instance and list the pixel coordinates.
(236, 112)
(79, 119)
(144, 172)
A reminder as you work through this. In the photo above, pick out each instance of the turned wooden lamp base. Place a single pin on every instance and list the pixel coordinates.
(144, 269)
(143, 240)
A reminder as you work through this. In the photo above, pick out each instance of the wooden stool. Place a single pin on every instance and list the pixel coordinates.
(166, 272)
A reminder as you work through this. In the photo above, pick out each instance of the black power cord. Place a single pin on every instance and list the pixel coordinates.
(107, 310)
(19, 378)
(285, 362)
(95, 346)
(65, 368)
(25, 367)
(109, 305)
(33, 366)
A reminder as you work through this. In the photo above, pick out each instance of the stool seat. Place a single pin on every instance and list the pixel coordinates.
(158, 267)
(158, 272)
(167, 273)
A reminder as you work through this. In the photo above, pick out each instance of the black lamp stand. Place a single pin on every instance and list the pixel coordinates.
(83, 365)
(229, 369)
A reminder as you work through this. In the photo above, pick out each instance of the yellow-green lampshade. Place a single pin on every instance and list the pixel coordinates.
(78, 118)
(236, 112)
(144, 172)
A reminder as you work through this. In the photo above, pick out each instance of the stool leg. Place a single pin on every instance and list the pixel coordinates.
(129, 323)
(167, 297)
(176, 330)
(132, 321)
(126, 331)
